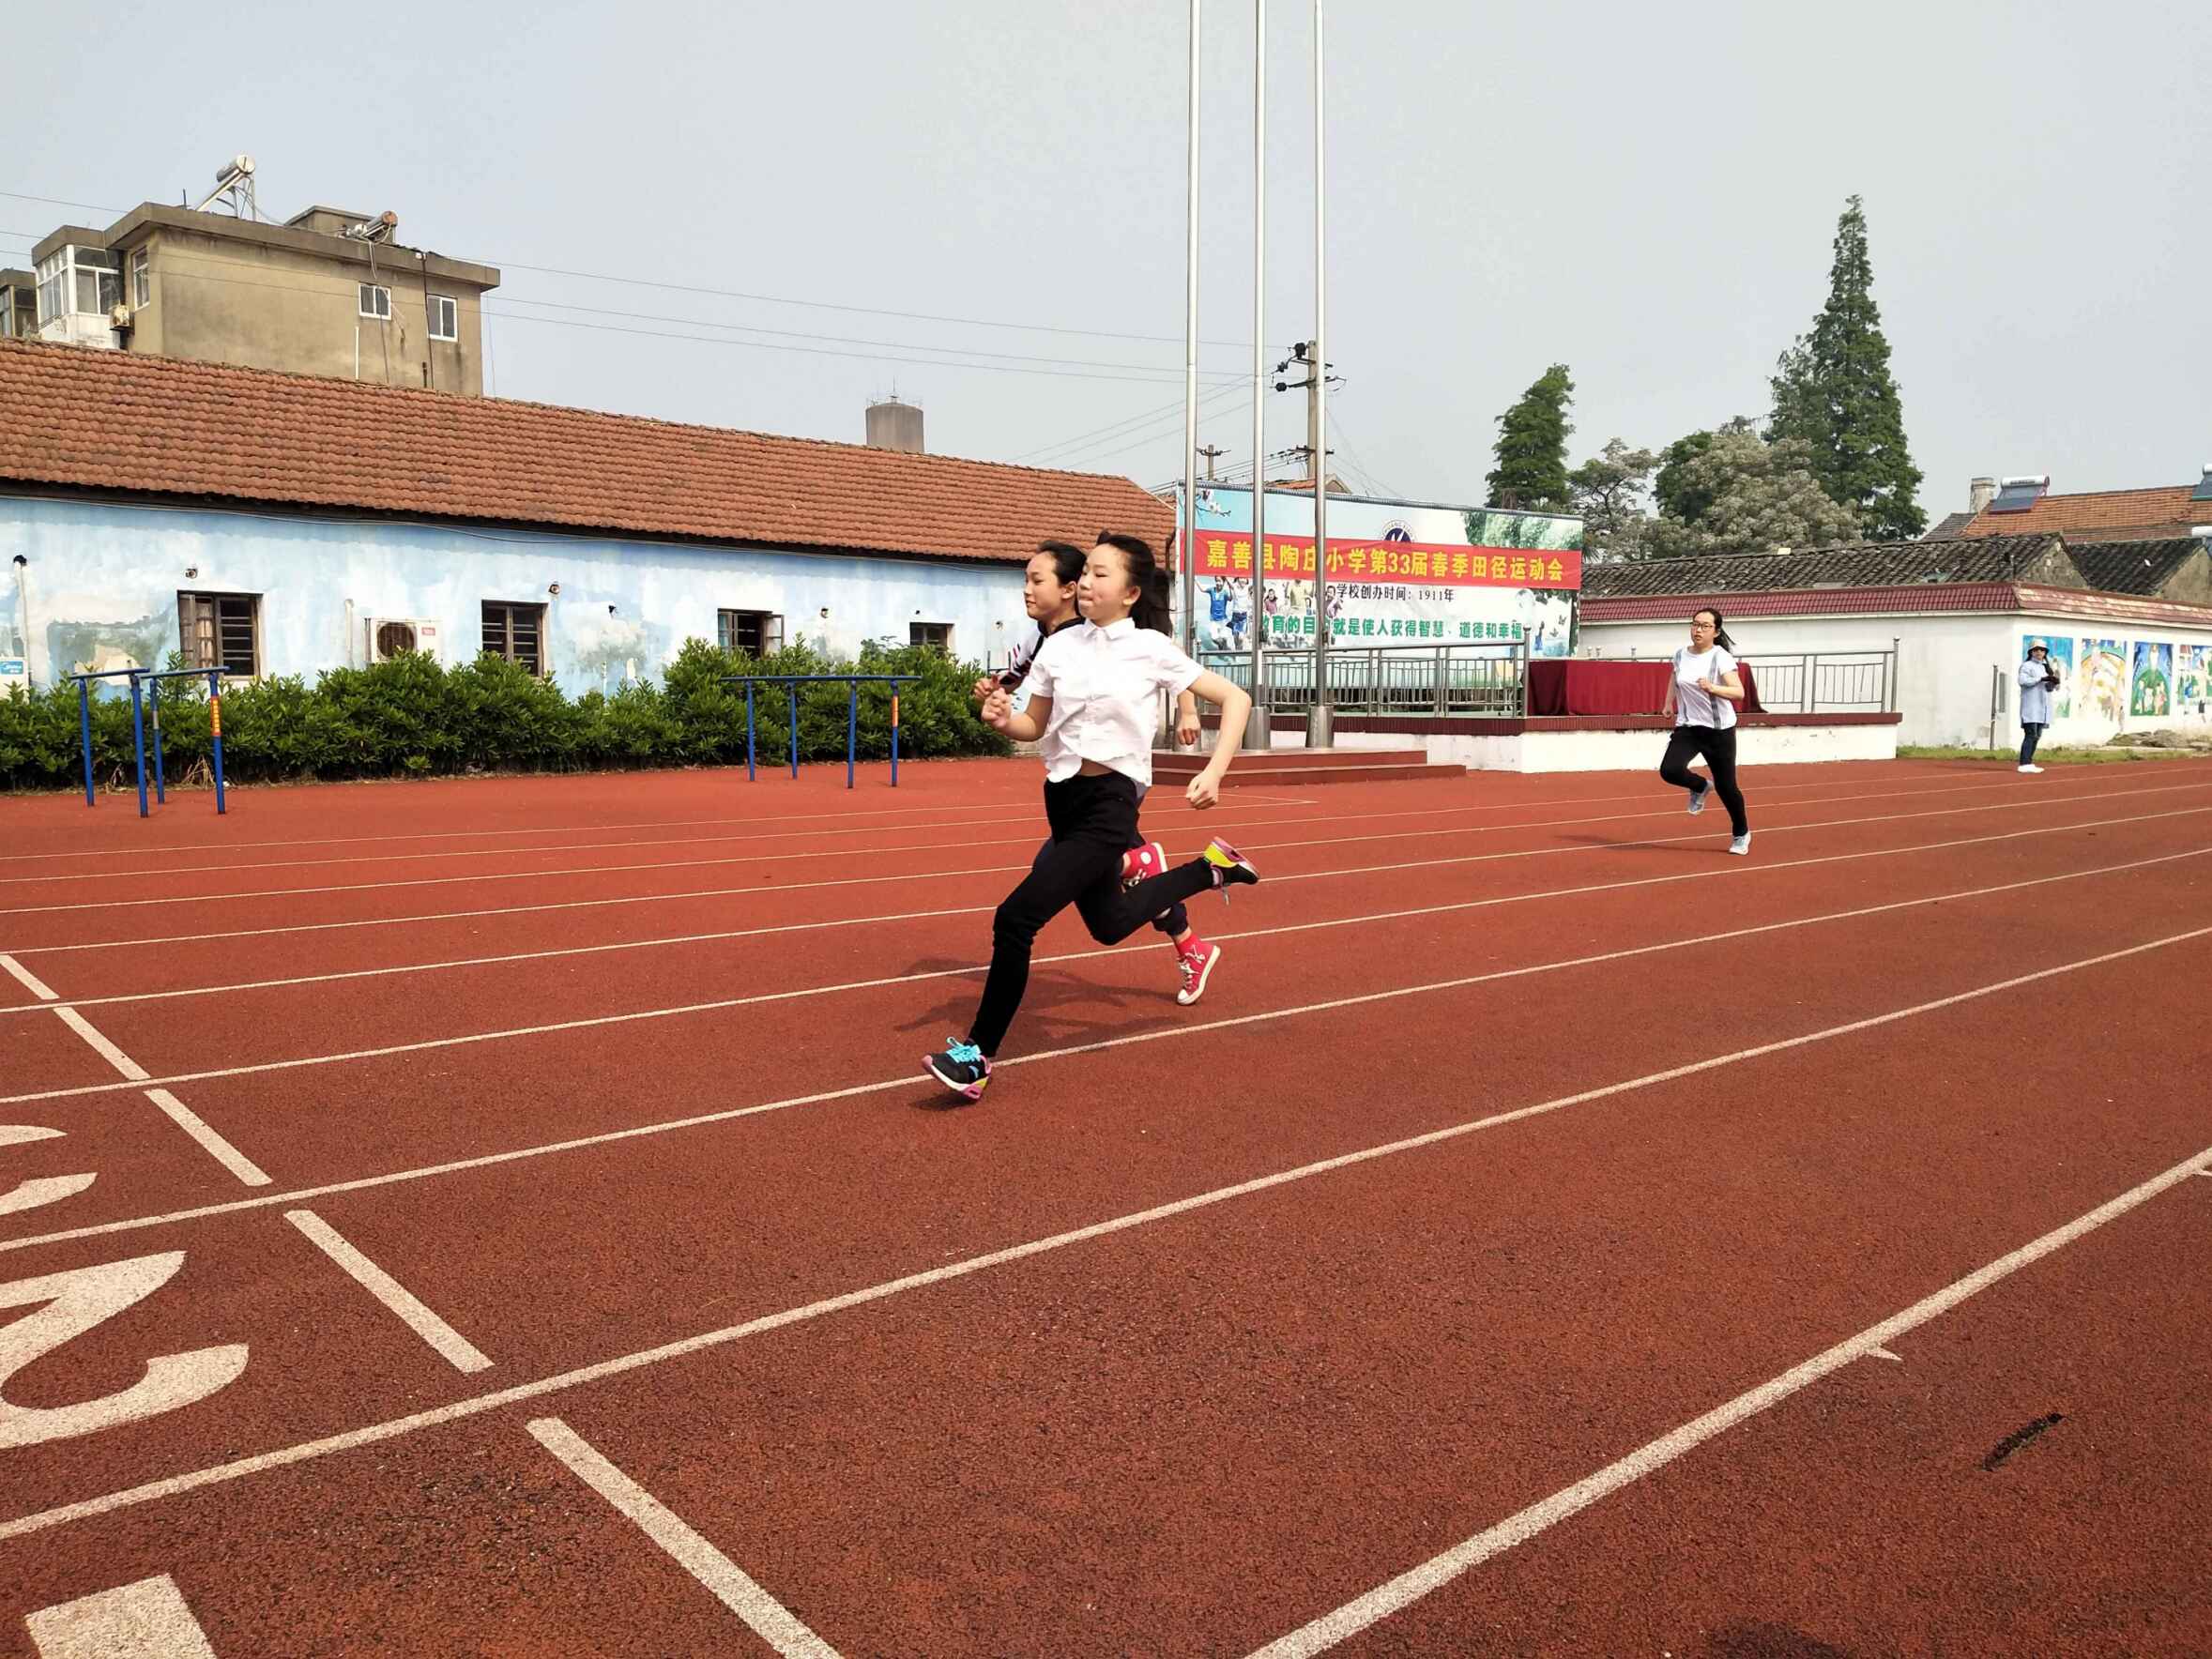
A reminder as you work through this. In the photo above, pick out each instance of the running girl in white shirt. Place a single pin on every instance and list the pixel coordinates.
(1092, 713)
(1703, 692)
(1048, 595)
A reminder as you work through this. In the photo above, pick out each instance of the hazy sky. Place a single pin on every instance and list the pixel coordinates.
(1644, 192)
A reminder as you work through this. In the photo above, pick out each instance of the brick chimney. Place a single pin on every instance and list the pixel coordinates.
(1979, 493)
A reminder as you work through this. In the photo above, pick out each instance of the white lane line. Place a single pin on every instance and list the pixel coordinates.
(1223, 820)
(991, 811)
(722, 1005)
(1380, 1602)
(306, 1450)
(451, 1346)
(210, 1142)
(24, 976)
(177, 1112)
(1224, 824)
(148, 1620)
(100, 1046)
(728, 1583)
(757, 890)
(910, 1081)
(723, 936)
(1883, 1353)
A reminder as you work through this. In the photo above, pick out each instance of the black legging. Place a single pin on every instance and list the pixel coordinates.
(1719, 750)
(1093, 821)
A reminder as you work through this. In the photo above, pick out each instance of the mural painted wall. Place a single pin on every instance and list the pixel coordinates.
(103, 585)
(2150, 691)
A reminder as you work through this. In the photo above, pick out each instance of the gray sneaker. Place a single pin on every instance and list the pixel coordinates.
(1697, 800)
(1741, 845)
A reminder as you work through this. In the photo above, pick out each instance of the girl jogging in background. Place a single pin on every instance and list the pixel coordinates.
(1048, 594)
(1092, 711)
(1701, 696)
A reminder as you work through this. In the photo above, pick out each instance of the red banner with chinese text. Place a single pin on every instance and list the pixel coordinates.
(1291, 557)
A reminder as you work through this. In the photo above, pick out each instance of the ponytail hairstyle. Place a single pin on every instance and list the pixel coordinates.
(1152, 583)
(1720, 636)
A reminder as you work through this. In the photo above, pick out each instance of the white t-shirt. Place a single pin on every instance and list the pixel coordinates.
(1693, 706)
(1105, 685)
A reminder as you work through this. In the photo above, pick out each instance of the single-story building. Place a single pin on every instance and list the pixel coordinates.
(2128, 623)
(273, 524)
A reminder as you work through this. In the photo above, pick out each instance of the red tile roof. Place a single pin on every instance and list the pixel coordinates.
(1983, 598)
(118, 421)
(2106, 515)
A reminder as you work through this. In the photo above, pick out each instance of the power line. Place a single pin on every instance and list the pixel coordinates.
(173, 258)
(1138, 378)
(757, 298)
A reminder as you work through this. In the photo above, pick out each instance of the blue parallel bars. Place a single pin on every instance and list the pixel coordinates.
(140, 679)
(791, 683)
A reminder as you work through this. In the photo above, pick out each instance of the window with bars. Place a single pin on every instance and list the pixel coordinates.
(515, 633)
(937, 635)
(750, 634)
(221, 631)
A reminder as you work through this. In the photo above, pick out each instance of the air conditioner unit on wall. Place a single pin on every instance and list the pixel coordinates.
(389, 636)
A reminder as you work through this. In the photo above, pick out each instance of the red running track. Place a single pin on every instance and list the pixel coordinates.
(1522, 1306)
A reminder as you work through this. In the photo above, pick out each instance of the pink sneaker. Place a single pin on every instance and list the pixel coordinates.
(1198, 967)
(1141, 863)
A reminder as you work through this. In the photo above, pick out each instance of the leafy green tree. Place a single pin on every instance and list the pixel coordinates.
(1607, 492)
(1753, 496)
(1833, 391)
(1532, 453)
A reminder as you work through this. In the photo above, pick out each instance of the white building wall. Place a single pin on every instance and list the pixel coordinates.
(100, 584)
(1946, 665)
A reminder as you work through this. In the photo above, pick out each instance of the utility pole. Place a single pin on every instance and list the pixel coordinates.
(1212, 452)
(1306, 355)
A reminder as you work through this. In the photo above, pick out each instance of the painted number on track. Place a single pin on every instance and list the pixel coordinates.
(30, 1195)
(75, 1301)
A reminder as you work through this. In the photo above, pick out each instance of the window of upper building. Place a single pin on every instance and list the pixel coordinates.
(375, 301)
(445, 318)
(73, 279)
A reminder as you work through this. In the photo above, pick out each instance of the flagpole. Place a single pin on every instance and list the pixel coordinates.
(1320, 718)
(1257, 733)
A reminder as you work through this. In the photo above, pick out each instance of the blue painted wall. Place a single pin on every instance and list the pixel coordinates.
(102, 584)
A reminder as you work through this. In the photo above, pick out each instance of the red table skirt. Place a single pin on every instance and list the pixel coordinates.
(1579, 686)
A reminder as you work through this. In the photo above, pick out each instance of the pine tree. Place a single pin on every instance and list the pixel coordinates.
(1532, 471)
(1833, 391)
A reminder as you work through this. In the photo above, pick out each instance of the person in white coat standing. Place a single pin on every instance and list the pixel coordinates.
(2038, 681)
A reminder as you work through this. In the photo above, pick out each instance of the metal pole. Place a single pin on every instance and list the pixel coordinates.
(161, 782)
(792, 688)
(138, 732)
(1187, 531)
(214, 735)
(84, 729)
(1321, 717)
(895, 733)
(852, 725)
(1257, 733)
(751, 774)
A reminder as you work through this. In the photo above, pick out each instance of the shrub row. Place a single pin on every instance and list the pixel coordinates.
(411, 718)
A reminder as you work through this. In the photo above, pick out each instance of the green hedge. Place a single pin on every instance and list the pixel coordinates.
(411, 718)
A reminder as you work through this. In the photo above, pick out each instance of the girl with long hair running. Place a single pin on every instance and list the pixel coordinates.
(1092, 713)
(1703, 692)
(1048, 595)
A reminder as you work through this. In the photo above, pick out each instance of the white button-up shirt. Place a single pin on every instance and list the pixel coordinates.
(1104, 686)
